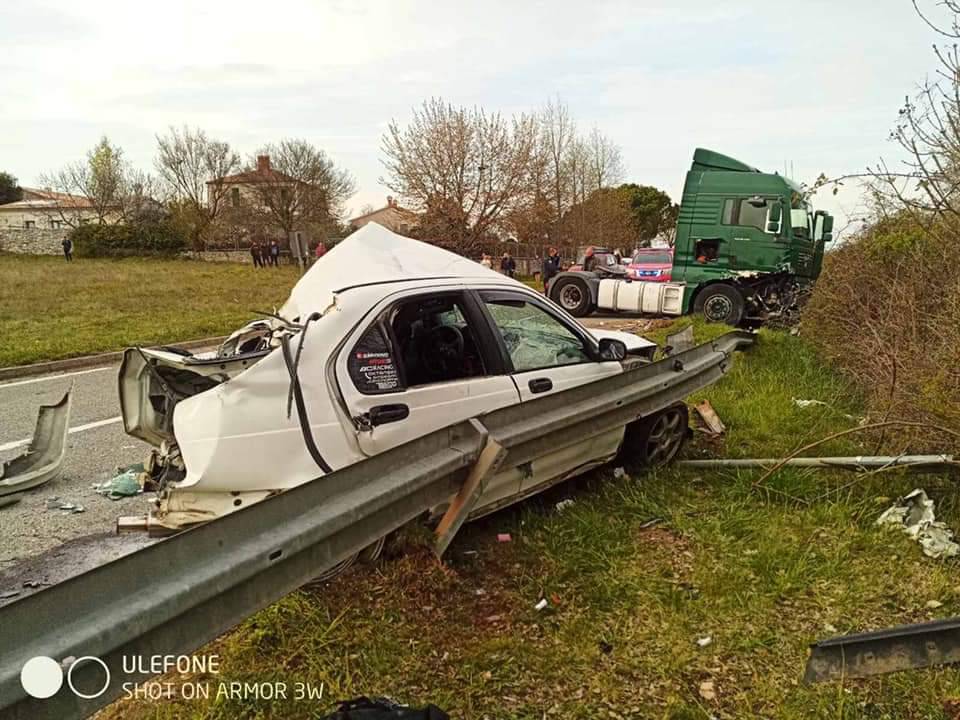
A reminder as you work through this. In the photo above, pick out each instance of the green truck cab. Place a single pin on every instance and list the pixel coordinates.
(747, 247)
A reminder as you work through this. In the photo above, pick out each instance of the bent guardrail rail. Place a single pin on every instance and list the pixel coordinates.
(172, 597)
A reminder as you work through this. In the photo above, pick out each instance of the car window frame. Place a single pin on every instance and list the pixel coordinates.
(589, 343)
(475, 316)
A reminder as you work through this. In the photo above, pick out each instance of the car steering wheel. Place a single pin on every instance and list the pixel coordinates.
(442, 351)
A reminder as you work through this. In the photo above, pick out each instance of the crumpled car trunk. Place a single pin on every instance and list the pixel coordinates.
(153, 381)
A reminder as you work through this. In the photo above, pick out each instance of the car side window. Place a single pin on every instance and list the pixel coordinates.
(534, 338)
(372, 366)
(418, 341)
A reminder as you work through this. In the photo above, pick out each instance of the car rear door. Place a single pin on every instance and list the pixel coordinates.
(390, 402)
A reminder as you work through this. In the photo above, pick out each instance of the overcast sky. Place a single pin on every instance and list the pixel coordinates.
(816, 84)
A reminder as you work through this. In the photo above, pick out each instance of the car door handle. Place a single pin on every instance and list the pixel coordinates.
(382, 414)
(539, 385)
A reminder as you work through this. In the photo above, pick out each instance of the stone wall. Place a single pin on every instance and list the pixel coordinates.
(234, 256)
(32, 241)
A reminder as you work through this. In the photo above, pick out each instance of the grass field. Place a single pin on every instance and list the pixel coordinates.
(760, 571)
(51, 309)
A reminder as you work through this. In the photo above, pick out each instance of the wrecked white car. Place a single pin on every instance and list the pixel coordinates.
(383, 340)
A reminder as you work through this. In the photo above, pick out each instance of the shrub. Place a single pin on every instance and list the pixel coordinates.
(886, 310)
(127, 240)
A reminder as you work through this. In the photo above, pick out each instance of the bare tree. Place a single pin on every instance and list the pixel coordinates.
(101, 186)
(463, 169)
(606, 162)
(192, 166)
(559, 134)
(298, 187)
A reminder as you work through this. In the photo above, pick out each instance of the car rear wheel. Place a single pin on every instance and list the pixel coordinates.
(720, 303)
(657, 439)
(572, 294)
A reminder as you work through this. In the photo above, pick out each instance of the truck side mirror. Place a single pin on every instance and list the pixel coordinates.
(757, 201)
(827, 228)
(774, 217)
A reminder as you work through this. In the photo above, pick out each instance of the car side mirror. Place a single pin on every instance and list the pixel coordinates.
(774, 217)
(827, 228)
(612, 349)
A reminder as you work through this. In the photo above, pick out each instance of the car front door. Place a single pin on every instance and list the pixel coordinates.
(426, 360)
(545, 352)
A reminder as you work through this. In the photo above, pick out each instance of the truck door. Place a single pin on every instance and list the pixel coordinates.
(750, 246)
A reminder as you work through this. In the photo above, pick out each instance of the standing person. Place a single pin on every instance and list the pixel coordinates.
(588, 259)
(320, 251)
(551, 266)
(274, 253)
(256, 254)
(67, 248)
(508, 266)
(487, 261)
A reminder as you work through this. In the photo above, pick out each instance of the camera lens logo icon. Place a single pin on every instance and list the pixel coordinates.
(42, 677)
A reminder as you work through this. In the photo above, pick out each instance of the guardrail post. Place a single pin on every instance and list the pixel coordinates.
(491, 457)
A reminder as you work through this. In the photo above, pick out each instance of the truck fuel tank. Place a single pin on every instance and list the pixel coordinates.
(654, 298)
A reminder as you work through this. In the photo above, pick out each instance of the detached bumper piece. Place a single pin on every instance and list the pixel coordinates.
(904, 647)
(41, 462)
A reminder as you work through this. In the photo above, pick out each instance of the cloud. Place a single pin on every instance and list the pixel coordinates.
(817, 88)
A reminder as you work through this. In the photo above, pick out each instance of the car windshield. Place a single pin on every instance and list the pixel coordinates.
(533, 338)
(649, 258)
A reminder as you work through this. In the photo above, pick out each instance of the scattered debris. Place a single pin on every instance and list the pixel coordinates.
(933, 604)
(125, 484)
(6, 594)
(679, 342)
(808, 403)
(58, 504)
(541, 605)
(828, 627)
(479, 592)
(707, 691)
(564, 504)
(44, 456)
(650, 523)
(710, 418)
(914, 514)
(34, 583)
(504, 537)
(605, 647)
(619, 473)
(704, 641)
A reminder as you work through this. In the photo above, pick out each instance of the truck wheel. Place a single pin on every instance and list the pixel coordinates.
(572, 294)
(657, 439)
(720, 303)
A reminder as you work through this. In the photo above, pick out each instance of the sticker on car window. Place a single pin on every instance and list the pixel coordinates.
(371, 364)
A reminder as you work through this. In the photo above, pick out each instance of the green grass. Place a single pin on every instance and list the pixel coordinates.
(762, 571)
(52, 309)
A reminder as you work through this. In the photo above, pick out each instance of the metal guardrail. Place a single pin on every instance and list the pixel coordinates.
(176, 595)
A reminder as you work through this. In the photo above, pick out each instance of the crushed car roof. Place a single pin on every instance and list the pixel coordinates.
(371, 256)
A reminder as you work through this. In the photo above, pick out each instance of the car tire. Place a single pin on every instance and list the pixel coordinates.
(657, 439)
(572, 294)
(720, 303)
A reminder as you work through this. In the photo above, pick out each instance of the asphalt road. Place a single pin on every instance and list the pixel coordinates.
(39, 544)
(96, 446)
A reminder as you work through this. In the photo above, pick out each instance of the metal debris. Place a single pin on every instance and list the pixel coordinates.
(125, 484)
(679, 342)
(710, 418)
(859, 462)
(564, 504)
(914, 514)
(13, 499)
(41, 462)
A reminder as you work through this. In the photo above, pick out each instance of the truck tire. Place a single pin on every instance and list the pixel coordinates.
(656, 439)
(572, 294)
(720, 303)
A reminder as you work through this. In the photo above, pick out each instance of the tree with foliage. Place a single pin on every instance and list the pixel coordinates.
(624, 217)
(10, 191)
(464, 169)
(104, 185)
(191, 167)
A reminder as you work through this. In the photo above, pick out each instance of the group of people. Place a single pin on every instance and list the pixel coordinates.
(508, 265)
(264, 255)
